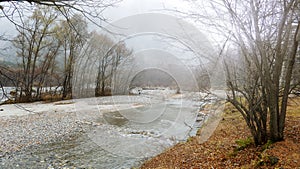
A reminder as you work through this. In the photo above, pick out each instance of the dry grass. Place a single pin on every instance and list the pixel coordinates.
(46, 97)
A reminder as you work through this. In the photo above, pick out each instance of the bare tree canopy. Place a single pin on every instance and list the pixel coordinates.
(67, 3)
(266, 36)
(38, 2)
(260, 48)
(14, 10)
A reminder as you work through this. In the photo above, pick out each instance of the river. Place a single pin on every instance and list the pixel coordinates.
(120, 139)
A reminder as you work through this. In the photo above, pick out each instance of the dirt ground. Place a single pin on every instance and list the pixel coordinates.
(231, 146)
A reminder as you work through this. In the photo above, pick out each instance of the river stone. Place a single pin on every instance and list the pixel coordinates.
(115, 118)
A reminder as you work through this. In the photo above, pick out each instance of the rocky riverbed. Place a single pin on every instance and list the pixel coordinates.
(19, 132)
(75, 134)
(53, 140)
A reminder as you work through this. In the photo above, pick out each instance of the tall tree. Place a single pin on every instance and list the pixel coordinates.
(73, 35)
(104, 60)
(98, 64)
(109, 55)
(37, 48)
(267, 36)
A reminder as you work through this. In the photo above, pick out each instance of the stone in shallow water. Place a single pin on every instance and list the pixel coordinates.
(115, 118)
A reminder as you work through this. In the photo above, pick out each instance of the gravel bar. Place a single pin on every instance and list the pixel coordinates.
(19, 132)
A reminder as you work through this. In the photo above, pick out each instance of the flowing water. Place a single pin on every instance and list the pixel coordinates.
(124, 138)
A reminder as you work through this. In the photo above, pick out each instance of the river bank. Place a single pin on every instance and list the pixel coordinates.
(223, 148)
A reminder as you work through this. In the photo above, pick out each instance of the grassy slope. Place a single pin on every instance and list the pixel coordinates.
(222, 150)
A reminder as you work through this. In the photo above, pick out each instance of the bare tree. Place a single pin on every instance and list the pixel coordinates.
(267, 36)
(104, 60)
(37, 48)
(97, 66)
(109, 57)
(72, 34)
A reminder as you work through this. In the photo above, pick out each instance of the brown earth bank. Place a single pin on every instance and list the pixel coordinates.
(231, 146)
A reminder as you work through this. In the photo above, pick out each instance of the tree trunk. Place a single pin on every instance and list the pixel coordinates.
(288, 78)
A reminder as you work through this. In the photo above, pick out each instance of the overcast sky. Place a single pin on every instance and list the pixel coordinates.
(123, 9)
(131, 7)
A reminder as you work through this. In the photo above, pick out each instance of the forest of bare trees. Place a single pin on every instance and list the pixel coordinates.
(47, 47)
